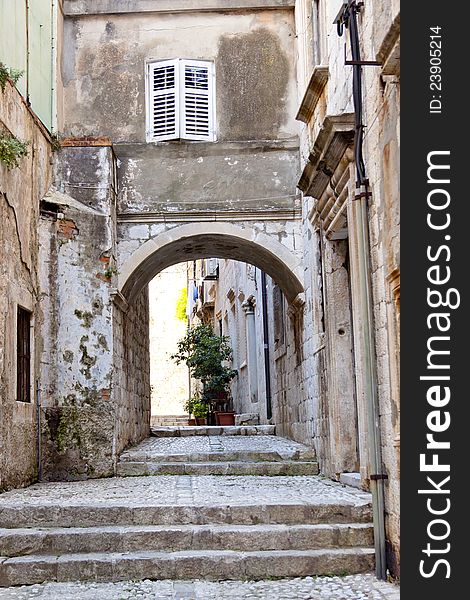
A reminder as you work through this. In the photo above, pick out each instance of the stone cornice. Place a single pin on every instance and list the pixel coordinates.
(332, 141)
(74, 8)
(205, 215)
(389, 52)
(186, 149)
(314, 90)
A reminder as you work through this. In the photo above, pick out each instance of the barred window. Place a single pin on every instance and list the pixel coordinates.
(23, 355)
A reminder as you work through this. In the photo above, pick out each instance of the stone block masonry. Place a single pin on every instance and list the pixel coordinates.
(95, 369)
(21, 190)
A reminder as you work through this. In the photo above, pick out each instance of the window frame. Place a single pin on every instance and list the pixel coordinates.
(181, 133)
(24, 374)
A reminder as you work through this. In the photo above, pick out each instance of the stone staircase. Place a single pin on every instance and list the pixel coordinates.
(183, 528)
(217, 451)
(169, 420)
(186, 527)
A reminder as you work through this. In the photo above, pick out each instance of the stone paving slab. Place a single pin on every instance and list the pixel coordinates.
(168, 538)
(218, 467)
(211, 565)
(186, 490)
(250, 430)
(356, 587)
(202, 448)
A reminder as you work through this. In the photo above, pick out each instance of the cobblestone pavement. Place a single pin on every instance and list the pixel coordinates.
(186, 490)
(202, 444)
(355, 587)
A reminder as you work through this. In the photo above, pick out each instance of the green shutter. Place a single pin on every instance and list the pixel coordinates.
(37, 79)
(13, 37)
(40, 59)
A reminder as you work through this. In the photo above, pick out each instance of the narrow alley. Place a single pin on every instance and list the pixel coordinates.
(199, 299)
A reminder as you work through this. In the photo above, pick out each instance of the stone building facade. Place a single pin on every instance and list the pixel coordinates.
(267, 185)
(318, 380)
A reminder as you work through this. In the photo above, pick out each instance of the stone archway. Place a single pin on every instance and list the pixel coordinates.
(144, 250)
(210, 239)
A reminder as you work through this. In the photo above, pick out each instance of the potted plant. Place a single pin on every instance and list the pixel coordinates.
(200, 412)
(188, 407)
(205, 353)
(225, 418)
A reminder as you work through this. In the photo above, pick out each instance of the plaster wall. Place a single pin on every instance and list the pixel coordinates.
(21, 190)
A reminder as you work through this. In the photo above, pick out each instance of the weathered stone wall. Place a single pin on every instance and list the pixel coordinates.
(292, 377)
(131, 375)
(77, 270)
(21, 190)
(252, 164)
(331, 97)
(380, 36)
(236, 283)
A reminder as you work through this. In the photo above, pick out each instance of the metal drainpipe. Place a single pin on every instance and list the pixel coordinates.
(347, 17)
(267, 369)
(38, 419)
(370, 371)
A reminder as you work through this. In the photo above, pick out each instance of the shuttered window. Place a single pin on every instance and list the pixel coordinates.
(164, 105)
(180, 100)
(23, 355)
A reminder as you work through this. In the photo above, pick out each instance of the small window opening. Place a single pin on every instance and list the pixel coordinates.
(23, 356)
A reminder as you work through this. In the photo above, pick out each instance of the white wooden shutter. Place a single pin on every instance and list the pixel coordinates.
(197, 100)
(164, 102)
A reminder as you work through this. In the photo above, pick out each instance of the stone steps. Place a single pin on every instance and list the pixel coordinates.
(93, 515)
(210, 565)
(169, 420)
(172, 538)
(136, 468)
(198, 430)
(183, 527)
(218, 455)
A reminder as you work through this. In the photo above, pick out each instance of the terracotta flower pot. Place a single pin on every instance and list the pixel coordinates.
(225, 418)
(191, 422)
(201, 421)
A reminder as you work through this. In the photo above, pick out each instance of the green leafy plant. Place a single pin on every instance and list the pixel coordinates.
(110, 271)
(199, 409)
(189, 404)
(11, 150)
(204, 353)
(181, 305)
(55, 143)
(9, 74)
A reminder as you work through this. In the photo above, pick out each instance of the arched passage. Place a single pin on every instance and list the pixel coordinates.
(211, 239)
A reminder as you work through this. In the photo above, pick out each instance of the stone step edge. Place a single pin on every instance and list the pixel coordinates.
(285, 467)
(243, 514)
(209, 565)
(25, 541)
(219, 456)
(183, 431)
